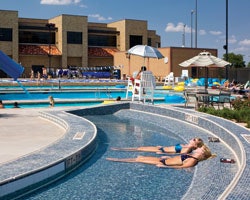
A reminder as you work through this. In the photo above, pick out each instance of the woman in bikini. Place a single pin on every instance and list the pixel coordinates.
(180, 161)
(178, 148)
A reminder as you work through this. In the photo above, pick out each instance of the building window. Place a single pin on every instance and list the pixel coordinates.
(5, 34)
(32, 37)
(74, 37)
(135, 40)
(102, 40)
(149, 41)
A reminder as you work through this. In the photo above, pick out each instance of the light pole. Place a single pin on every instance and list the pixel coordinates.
(192, 12)
(226, 46)
(183, 36)
(196, 26)
(50, 26)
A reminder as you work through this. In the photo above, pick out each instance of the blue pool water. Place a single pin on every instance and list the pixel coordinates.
(95, 94)
(101, 179)
(46, 105)
(62, 95)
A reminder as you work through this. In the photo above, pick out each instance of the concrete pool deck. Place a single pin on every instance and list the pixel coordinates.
(16, 117)
(23, 132)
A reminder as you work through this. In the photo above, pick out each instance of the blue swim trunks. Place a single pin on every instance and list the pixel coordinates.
(178, 148)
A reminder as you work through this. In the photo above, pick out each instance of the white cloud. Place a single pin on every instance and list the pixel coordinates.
(59, 2)
(83, 6)
(232, 40)
(172, 28)
(215, 32)
(245, 42)
(241, 49)
(202, 32)
(99, 17)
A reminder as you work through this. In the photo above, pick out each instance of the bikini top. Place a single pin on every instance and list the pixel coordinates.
(186, 156)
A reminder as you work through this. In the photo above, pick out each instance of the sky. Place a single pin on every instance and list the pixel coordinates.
(167, 17)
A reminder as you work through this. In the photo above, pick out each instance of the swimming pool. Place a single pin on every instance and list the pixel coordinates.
(96, 94)
(58, 104)
(101, 179)
(144, 125)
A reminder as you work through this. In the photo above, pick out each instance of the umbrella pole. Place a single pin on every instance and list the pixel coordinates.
(206, 79)
(148, 64)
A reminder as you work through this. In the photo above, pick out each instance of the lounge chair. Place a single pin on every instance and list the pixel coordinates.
(169, 79)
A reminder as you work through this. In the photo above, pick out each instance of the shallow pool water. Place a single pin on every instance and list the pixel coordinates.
(102, 179)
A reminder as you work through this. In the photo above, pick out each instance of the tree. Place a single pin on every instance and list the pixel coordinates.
(236, 60)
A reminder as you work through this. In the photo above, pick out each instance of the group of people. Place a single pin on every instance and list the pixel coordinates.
(236, 87)
(188, 154)
(15, 105)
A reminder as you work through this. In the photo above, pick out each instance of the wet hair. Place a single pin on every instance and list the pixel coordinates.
(16, 105)
(118, 98)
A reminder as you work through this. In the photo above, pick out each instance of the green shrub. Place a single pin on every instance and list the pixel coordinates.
(240, 111)
(238, 103)
(248, 124)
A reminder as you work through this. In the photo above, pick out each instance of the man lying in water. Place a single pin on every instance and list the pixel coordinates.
(178, 148)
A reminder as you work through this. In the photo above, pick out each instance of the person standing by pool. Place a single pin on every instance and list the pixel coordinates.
(1, 104)
(178, 162)
(51, 101)
(178, 148)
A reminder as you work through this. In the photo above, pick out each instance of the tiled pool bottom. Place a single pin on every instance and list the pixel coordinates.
(102, 179)
(210, 178)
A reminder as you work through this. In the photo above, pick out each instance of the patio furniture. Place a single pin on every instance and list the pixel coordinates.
(143, 89)
(169, 79)
(188, 95)
(221, 99)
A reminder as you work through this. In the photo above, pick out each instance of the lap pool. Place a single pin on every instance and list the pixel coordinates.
(30, 97)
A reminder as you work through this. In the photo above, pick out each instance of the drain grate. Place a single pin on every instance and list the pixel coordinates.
(246, 137)
(78, 135)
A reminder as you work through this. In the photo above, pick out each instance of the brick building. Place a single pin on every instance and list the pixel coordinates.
(71, 41)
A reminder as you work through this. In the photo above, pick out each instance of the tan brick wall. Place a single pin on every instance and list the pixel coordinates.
(78, 54)
(66, 23)
(93, 62)
(130, 27)
(28, 61)
(9, 19)
(120, 26)
(179, 54)
(159, 67)
(156, 39)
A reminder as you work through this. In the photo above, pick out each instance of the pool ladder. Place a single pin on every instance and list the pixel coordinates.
(98, 93)
(108, 93)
